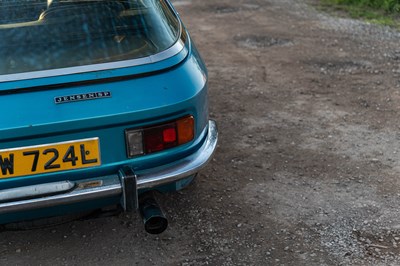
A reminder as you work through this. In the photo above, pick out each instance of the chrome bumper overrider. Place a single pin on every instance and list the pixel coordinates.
(124, 184)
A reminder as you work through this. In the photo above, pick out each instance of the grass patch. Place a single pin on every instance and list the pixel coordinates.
(384, 12)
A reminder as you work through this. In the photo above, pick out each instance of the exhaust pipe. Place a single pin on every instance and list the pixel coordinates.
(154, 219)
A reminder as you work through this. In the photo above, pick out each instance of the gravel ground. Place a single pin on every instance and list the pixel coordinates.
(307, 167)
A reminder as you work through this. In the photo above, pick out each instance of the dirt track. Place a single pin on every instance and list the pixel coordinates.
(307, 169)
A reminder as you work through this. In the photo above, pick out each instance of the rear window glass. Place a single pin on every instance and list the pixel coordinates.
(42, 35)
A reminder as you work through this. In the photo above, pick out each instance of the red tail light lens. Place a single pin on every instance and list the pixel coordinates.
(160, 137)
(169, 135)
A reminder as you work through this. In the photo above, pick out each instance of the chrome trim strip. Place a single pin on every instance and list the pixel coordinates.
(176, 48)
(71, 197)
(108, 186)
(35, 191)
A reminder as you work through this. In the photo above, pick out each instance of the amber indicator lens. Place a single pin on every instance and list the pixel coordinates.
(185, 129)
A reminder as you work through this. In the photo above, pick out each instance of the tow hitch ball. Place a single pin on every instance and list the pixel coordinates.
(154, 219)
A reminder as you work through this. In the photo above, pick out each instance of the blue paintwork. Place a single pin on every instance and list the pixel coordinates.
(175, 87)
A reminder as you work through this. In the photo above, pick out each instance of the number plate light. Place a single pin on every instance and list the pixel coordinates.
(157, 138)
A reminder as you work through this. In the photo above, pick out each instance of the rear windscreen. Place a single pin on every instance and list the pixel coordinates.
(43, 35)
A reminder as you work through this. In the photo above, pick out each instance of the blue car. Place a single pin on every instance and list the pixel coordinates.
(102, 103)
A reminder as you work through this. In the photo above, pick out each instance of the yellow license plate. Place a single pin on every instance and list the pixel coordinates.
(48, 158)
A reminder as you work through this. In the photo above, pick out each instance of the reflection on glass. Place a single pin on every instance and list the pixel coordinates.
(39, 35)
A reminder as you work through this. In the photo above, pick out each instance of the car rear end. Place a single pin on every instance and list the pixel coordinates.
(101, 101)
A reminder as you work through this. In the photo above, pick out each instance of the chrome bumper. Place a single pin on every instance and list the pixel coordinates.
(124, 184)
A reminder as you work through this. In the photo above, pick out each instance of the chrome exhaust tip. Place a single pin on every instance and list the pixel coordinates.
(154, 219)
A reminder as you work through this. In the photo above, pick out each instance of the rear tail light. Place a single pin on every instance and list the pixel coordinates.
(161, 137)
